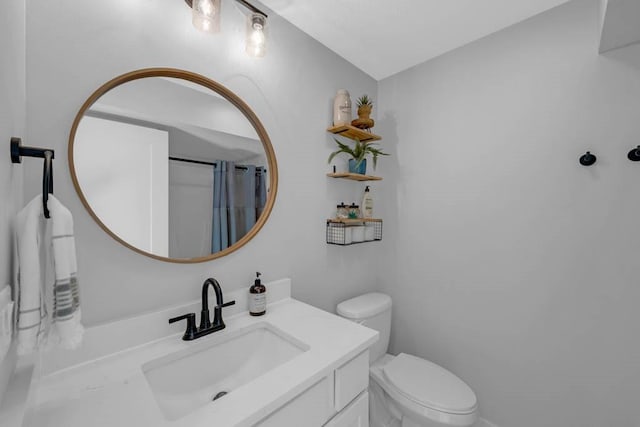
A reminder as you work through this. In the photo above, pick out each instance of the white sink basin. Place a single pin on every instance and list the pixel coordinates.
(186, 380)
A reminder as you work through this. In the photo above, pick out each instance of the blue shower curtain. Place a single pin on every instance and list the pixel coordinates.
(239, 196)
(261, 190)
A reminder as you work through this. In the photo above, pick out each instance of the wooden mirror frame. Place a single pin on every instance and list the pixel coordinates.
(220, 90)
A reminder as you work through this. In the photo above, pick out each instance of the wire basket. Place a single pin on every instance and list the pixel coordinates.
(352, 231)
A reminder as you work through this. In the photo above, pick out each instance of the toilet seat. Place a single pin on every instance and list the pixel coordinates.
(429, 385)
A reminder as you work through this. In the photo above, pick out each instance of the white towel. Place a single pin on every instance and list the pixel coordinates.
(29, 276)
(41, 242)
(67, 329)
(6, 316)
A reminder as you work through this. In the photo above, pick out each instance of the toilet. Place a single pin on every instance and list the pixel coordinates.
(405, 390)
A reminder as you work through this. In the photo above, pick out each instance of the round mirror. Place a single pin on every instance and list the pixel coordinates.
(173, 165)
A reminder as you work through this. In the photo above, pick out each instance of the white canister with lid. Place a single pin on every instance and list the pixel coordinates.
(357, 233)
(369, 232)
(342, 108)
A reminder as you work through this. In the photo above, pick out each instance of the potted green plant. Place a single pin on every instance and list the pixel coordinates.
(358, 162)
(364, 121)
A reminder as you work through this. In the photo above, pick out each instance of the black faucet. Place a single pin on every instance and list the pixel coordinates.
(206, 327)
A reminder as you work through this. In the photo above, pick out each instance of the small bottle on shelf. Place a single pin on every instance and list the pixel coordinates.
(367, 204)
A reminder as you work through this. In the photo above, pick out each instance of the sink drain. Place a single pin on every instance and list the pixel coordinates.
(219, 395)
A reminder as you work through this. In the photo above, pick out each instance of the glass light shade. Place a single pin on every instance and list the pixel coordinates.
(256, 42)
(206, 15)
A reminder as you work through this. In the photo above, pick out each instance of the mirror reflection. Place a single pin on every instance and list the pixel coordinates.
(171, 168)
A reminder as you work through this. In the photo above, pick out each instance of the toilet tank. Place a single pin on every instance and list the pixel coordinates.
(372, 310)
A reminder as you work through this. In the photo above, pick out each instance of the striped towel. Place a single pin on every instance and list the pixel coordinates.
(40, 242)
(67, 330)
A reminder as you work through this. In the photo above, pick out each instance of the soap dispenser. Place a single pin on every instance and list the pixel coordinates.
(257, 297)
(367, 204)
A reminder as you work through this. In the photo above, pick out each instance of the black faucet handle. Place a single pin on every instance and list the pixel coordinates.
(227, 304)
(191, 330)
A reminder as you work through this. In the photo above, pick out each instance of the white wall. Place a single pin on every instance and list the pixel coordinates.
(74, 47)
(12, 123)
(510, 263)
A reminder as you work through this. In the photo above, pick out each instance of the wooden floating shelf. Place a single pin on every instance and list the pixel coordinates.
(354, 133)
(352, 221)
(354, 176)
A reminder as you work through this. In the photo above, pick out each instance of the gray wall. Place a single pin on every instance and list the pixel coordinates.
(12, 123)
(509, 263)
(74, 47)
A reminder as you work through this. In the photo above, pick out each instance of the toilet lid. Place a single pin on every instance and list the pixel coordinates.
(430, 385)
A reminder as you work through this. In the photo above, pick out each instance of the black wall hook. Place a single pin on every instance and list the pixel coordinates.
(17, 151)
(634, 154)
(588, 159)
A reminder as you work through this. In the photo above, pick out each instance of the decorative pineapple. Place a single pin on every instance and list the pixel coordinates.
(364, 121)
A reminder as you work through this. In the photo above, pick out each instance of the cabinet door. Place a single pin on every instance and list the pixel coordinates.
(354, 415)
(351, 379)
(309, 409)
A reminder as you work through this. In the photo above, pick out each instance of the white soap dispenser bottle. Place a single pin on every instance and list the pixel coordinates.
(367, 204)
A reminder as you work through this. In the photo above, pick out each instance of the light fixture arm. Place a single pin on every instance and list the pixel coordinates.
(251, 7)
(245, 3)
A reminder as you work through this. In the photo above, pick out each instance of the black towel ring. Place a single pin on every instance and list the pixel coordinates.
(17, 151)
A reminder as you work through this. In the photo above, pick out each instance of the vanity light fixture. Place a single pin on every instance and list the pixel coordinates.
(206, 17)
(256, 39)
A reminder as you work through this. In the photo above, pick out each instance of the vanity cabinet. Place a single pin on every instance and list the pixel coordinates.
(339, 399)
(354, 415)
(350, 379)
(312, 407)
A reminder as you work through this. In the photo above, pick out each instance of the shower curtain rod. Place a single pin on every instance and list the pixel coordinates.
(200, 162)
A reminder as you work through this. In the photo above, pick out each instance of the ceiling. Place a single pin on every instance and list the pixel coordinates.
(385, 37)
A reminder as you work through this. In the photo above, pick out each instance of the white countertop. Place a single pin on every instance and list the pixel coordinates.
(112, 391)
